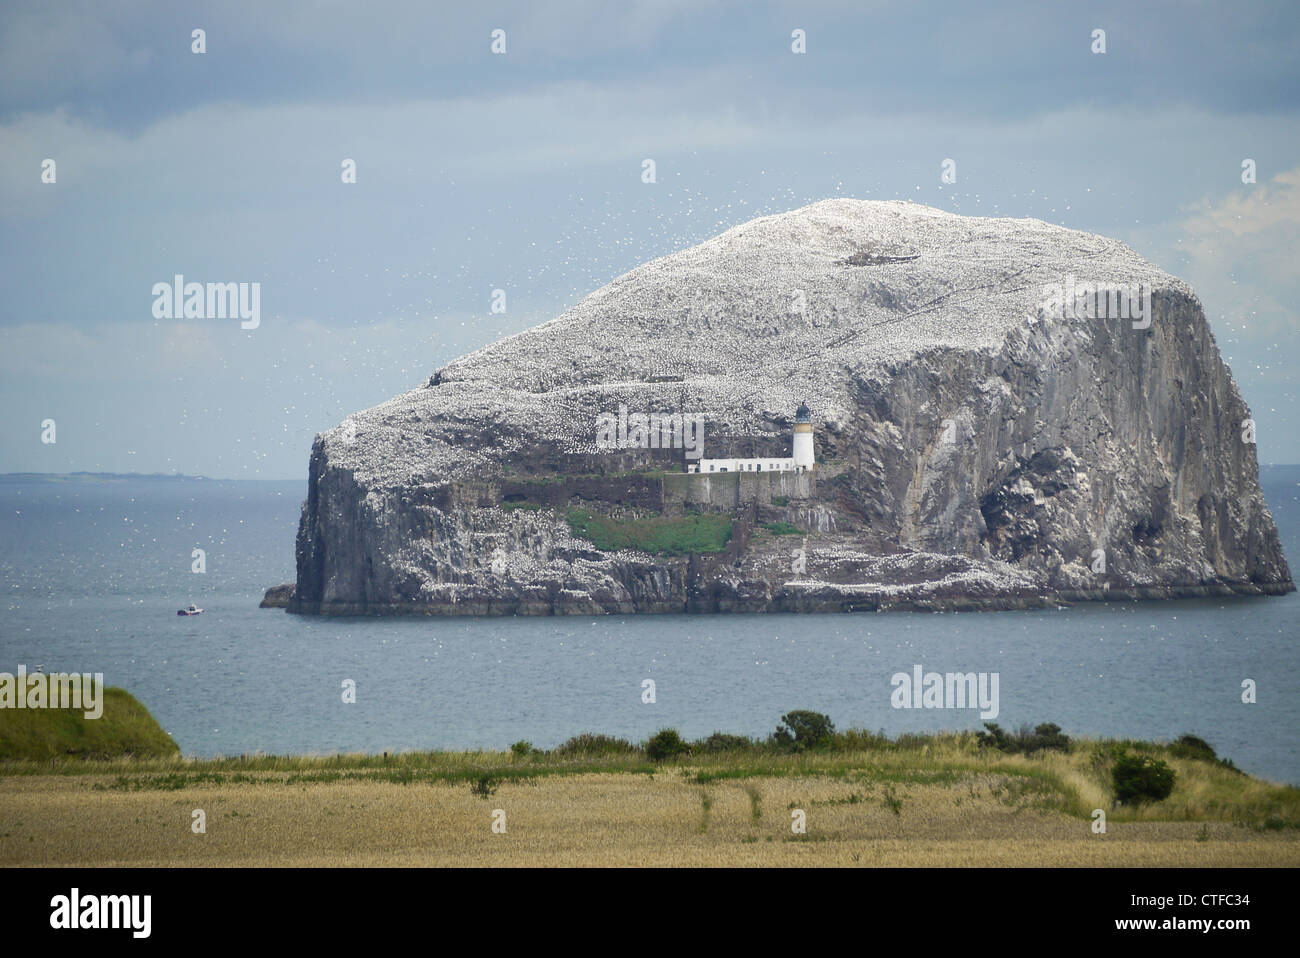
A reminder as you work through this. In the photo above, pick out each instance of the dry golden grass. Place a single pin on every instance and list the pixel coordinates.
(971, 816)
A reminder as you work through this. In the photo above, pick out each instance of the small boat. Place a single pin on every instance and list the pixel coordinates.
(192, 610)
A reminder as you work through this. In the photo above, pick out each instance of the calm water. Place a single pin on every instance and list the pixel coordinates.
(93, 574)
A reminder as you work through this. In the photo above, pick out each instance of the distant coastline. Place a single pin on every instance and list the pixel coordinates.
(100, 477)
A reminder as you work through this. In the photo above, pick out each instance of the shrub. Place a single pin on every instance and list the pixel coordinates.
(484, 786)
(801, 730)
(724, 742)
(1048, 735)
(665, 744)
(1141, 778)
(1197, 749)
(1190, 746)
(522, 748)
(589, 743)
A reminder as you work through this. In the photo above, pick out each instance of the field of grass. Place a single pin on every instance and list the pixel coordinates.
(658, 535)
(932, 800)
(125, 728)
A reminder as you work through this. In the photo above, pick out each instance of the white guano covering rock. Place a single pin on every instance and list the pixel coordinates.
(720, 315)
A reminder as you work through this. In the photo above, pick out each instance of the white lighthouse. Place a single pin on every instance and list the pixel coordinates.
(801, 459)
(803, 438)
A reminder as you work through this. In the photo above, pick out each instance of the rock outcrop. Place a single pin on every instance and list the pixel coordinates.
(277, 597)
(977, 446)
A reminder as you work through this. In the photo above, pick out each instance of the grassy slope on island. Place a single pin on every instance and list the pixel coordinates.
(656, 535)
(124, 729)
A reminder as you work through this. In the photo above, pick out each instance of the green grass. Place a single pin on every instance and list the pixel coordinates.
(124, 729)
(782, 529)
(657, 535)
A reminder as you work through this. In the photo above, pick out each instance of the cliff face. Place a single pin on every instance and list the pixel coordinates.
(977, 445)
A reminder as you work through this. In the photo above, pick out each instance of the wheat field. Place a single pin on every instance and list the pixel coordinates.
(673, 816)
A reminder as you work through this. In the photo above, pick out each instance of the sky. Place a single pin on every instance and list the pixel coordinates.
(522, 171)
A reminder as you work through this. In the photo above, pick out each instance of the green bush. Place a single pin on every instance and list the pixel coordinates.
(1197, 749)
(1190, 746)
(724, 742)
(1141, 778)
(802, 730)
(522, 748)
(589, 743)
(1048, 735)
(665, 744)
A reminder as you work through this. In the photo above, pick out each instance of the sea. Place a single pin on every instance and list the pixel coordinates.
(94, 570)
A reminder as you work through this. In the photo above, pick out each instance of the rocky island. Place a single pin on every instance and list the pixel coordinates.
(851, 406)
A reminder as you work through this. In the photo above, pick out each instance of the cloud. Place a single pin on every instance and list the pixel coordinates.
(1243, 247)
(1254, 215)
(129, 63)
(51, 50)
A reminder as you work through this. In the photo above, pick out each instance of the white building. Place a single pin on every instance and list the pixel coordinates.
(800, 461)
